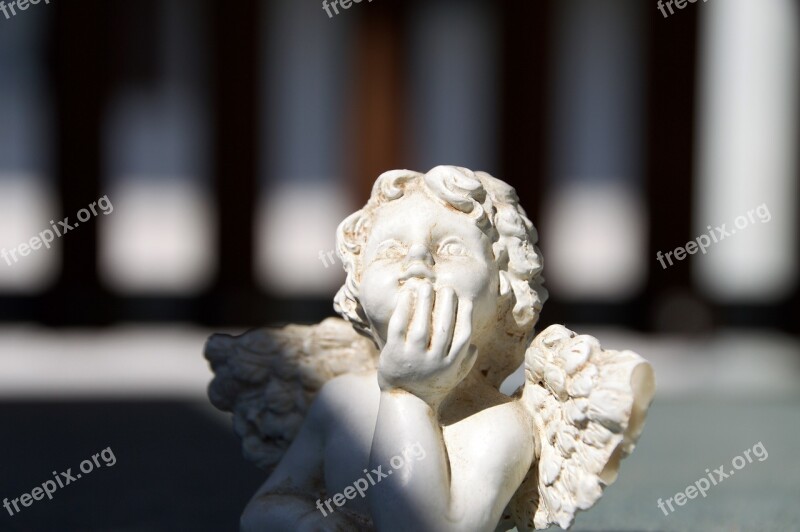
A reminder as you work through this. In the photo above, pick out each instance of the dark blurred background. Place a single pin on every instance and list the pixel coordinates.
(232, 137)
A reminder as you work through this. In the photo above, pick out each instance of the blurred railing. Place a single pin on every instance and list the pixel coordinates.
(95, 46)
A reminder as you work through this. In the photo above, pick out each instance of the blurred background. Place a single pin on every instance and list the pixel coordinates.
(231, 138)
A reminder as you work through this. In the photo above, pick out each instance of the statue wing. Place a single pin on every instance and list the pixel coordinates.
(588, 406)
(267, 378)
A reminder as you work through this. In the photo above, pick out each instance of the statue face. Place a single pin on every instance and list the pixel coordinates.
(418, 240)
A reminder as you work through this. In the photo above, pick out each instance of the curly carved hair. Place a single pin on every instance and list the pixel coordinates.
(493, 206)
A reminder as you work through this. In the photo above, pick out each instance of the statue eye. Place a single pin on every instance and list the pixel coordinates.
(452, 248)
(391, 250)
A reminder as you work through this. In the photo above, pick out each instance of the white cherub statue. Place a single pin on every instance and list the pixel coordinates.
(402, 427)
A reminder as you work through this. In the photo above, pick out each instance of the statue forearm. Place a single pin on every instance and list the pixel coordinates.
(412, 495)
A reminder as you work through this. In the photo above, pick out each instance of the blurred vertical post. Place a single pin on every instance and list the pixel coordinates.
(235, 114)
(306, 150)
(747, 146)
(792, 317)
(380, 92)
(523, 139)
(81, 87)
(454, 79)
(593, 228)
(670, 163)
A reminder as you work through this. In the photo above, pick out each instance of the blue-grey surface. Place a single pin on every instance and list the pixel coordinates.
(685, 437)
(179, 468)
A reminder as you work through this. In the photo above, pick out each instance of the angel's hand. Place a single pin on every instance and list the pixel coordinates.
(428, 350)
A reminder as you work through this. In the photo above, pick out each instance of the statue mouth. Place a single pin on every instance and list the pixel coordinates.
(418, 271)
(416, 282)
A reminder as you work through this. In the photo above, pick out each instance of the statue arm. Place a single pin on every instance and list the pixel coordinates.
(444, 492)
(287, 500)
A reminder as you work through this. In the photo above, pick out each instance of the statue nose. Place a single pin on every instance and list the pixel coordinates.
(419, 262)
(419, 253)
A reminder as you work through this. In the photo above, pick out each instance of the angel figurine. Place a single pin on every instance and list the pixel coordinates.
(392, 418)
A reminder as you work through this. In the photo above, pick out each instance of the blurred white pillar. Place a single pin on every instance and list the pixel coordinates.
(748, 139)
(27, 201)
(307, 71)
(594, 228)
(160, 237)
(27, 205)
(455, 62)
